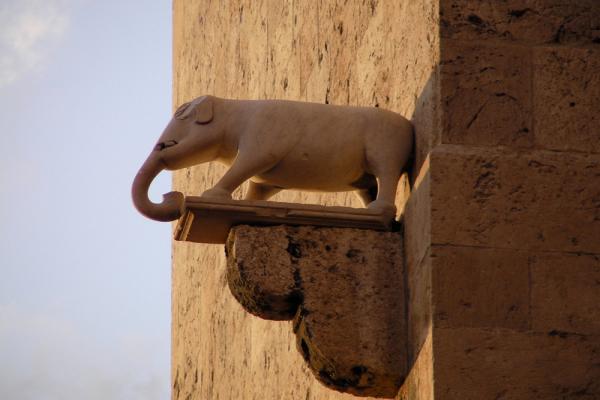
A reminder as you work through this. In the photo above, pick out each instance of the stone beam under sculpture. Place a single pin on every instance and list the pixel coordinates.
(210, 220)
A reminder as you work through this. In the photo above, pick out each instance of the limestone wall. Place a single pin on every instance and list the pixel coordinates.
(340, 52)
(515, 215)
(503, 223)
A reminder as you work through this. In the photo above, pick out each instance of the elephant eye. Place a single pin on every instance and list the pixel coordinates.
(179, 113)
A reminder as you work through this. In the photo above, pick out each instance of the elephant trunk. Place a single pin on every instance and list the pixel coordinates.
(172, 205)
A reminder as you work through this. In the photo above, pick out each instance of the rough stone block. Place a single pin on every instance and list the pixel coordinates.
(251, 59)
(283, 64)
(536, 200)
(486, 94)
(566, 87)
(373, 70)
(312, 72)
(260, 274)
(345, 290)
(420, 325)
(419, 382)
(475, 364)
(565, 293)
(528, 22)
(417, 217)
(476, 287)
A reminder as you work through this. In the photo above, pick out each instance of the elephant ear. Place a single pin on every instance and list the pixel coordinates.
(204, 110)
(202, 107)
(181, 111)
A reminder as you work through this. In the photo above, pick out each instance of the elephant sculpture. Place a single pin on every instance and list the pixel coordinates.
(279, 145)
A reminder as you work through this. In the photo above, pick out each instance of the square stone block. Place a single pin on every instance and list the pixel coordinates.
(486, 94)
(417, 217)
(419, 382)
(418, 282)
(565, 293)
(528, 22)
(535, 200)
(476, 287)
(566, 86)
(475, 364)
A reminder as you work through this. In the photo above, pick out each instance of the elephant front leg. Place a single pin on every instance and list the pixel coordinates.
(241, 170)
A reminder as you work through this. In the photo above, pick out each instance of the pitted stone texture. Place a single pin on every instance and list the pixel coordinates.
(566, 87)
(260, 273)
(565, 293)
(537, 200)
(486, 94)
(348, 289)
(516, 289)
(524, 22)
(478, 363)
(419, 382)
(417, 217)
(481, 287)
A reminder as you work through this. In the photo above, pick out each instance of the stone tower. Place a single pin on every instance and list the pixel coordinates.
(502, 225)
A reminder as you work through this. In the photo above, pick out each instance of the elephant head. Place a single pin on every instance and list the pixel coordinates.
(190, 138)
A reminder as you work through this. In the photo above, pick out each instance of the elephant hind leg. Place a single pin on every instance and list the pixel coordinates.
(386, 194)
(260, 191)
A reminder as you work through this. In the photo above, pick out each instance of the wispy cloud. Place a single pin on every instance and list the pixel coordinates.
(48, 357)
(29, 29)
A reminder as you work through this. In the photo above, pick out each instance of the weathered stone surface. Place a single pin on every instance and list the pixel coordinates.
(476, 363)
(247, 49)
(420, 318)
(417, 217)
(486, 97)
(512, 228)
(260, 272)
(345, 290)
(527, 22)
(419, 382)
(566, 87)
(521, 290)
(536, 200)
(476, 287)
(222, 351)
(565, 293)
(417, 239)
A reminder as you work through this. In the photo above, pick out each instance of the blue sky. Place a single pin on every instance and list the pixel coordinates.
(85, 89)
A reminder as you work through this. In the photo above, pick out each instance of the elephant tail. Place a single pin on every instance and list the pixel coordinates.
(409, 166)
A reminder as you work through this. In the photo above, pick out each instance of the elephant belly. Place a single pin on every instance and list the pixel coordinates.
(308, 170)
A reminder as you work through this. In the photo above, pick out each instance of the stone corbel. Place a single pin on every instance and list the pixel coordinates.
(342, 287)
(337, 272)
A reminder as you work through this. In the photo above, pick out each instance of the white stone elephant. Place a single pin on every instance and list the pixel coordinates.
(279, 145)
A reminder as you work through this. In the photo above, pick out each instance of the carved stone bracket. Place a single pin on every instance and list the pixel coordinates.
(344, 290)
(210, 220)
